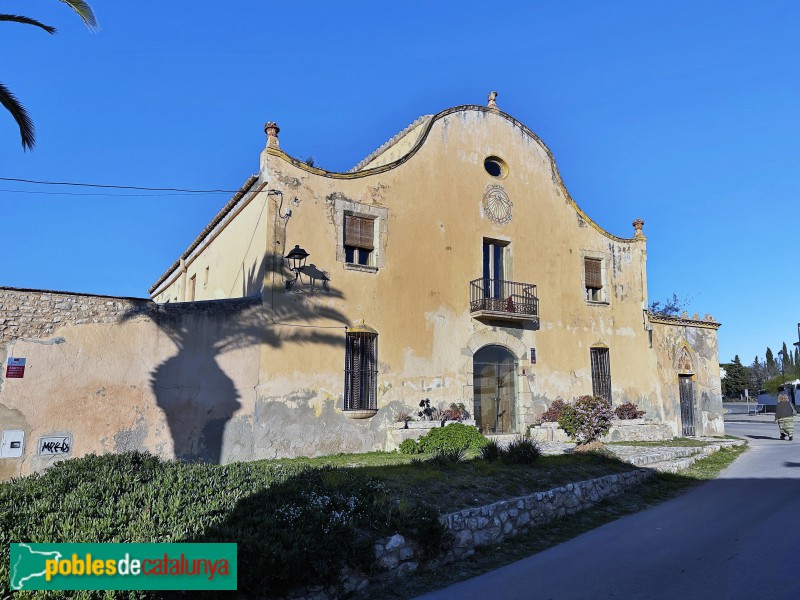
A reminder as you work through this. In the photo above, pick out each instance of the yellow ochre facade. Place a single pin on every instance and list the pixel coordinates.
(451, 264)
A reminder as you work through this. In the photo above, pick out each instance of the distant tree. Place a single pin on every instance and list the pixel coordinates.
(9, 101)
(757, 377)
(786, 358)
(796, 359)
(671, 307)
(737, 378)
(310, 161)
(770, 359)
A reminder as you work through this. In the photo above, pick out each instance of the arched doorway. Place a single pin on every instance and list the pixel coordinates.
(494, 387)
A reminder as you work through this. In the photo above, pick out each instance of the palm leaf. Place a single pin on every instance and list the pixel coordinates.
(12, 105)
(28, 21)
(84, 11)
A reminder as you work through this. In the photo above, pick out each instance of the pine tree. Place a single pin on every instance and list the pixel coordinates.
(737, 378)
(786, 358)
(756, 375)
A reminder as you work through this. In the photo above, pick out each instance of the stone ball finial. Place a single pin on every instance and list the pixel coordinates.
(637, 225)
(272, 130)
(492, 100)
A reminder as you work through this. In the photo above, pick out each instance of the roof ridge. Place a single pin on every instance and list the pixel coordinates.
(208, 228)
(389, 143)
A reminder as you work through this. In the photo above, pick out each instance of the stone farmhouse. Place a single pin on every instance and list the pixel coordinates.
(450, 264)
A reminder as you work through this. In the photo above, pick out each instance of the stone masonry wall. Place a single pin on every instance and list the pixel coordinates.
(493, 523)
(480, 526)
(35, 314)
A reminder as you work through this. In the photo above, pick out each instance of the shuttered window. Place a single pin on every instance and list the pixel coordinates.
(594, 274)
(359, 232)
(361, 371)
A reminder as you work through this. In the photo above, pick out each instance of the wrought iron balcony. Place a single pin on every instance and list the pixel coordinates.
(503, 300)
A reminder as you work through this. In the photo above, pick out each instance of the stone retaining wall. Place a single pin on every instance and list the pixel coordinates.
(634, 430)
(493, 523)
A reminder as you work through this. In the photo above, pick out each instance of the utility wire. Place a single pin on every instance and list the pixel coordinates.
(104, 194)
(118, 187)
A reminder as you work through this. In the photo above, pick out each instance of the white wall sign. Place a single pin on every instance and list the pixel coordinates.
(55, 446)
(12, 443)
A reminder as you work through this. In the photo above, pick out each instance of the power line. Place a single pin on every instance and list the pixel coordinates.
(118, 187)
(158, 195)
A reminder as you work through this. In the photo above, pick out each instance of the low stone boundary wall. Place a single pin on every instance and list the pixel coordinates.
(493, 523)
(634, 430)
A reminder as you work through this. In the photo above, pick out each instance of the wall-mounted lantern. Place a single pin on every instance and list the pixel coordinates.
(297, 262)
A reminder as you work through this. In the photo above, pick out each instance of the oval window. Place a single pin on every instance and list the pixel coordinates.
(495, 166)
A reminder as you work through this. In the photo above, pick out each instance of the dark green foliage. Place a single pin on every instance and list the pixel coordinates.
(305, 529)
(452, 437)
(786, 358)
(294, 524)
(736, 380)
(522, 451)
(770, 358)
(628, 411)
(426, 529)
(491, 451)
(449, 456)
(671, 307)
(410, 447)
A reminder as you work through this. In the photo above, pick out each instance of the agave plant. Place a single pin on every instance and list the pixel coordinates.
(26, 129)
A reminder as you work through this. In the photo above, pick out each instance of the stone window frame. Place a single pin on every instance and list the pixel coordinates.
(603, 258)
(378, 214)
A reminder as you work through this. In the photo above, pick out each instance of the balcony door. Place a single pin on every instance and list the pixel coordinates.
(494, 268)
(494, 388)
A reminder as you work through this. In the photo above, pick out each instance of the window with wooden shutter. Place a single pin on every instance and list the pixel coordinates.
(593, 276)
(359, 232)
(594, 273)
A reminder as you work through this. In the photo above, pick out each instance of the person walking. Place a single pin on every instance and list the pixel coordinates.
(784, 416)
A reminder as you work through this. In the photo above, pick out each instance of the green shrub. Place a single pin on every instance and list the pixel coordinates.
(491, 451)
(410, 447)
(450, 456)
(587, 419)
(285, 519)
(522, 451)
(451, 437)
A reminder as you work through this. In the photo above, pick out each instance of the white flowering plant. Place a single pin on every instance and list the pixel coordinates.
(586, 419)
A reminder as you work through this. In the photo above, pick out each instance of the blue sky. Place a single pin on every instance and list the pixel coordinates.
(684, 114)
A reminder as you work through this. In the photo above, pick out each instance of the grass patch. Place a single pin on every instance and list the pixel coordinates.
(660, 487)
(287, 516)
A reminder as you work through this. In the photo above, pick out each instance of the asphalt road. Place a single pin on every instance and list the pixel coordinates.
(732, 538)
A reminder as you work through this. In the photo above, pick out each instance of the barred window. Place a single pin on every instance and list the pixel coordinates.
(361, 369)
(601, 372)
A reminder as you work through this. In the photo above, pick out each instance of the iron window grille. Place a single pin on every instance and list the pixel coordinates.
(601, 373)
(361, 371)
